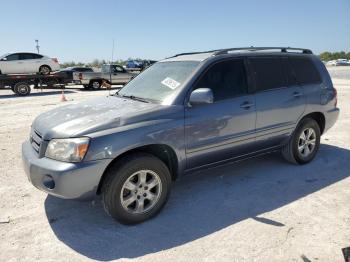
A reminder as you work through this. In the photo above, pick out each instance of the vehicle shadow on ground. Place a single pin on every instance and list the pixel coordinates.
(200, 205)
(37, 93)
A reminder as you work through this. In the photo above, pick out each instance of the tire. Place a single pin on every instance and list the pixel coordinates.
(126, 174)
(95, 84)
(303, 145)
(22, 89)
(44, 70)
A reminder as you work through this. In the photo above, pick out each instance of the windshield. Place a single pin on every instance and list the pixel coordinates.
(159, 81)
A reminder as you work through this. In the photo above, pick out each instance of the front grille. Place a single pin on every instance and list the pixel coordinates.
(35, 140)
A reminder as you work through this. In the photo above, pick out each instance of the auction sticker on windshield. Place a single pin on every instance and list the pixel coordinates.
(171, 83)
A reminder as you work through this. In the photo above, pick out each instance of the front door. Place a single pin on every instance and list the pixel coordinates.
(12, 65)
(226, 128)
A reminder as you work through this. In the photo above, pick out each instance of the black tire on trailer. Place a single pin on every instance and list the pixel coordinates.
(22, 88)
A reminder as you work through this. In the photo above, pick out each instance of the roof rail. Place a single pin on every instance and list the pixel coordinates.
(251, 48)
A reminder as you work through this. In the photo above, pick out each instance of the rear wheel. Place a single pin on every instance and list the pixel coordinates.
(44, 69)
(304, 143)
(136, 188)
(95, 84)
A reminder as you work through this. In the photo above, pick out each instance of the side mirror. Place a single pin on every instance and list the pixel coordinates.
(201, 96)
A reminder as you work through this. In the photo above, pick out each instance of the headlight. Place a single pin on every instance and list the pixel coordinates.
(67, 150)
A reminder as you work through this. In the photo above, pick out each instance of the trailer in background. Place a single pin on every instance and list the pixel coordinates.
(21, 84)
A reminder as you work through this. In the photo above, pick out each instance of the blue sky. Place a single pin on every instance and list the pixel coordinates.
(83, 30)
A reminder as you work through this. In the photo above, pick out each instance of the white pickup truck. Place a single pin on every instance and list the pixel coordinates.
(112, 74)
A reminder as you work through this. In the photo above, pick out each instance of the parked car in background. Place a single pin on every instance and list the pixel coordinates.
(339, 62)
(112, 74)
(27, 63)
(134, 64)
(68, 73)
(188, 112)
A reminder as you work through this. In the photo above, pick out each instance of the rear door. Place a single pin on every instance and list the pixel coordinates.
(224, 129)
(280, 100)
(32, 62)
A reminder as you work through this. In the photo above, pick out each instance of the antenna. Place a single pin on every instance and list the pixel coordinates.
(110, 69)
(37, 45)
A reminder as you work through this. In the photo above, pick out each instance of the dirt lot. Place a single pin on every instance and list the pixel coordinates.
(262, 209)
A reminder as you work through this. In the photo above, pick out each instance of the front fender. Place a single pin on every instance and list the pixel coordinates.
(113, 142)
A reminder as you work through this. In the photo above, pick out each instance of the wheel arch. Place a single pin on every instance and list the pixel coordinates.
(45, 65)
(164, 152)
(319, 118)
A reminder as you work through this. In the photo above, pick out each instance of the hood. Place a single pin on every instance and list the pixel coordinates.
(90, 116)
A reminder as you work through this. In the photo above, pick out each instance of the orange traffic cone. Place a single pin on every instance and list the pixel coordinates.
(63, 97)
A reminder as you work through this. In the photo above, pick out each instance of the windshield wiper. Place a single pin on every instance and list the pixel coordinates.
(135, 98)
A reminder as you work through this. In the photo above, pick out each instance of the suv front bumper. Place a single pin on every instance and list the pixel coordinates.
(62, 179)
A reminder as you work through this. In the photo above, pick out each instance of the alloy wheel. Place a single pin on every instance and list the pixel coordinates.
(141, 192)
(307, 142)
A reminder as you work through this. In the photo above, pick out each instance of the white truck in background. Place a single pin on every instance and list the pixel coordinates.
(111, 74)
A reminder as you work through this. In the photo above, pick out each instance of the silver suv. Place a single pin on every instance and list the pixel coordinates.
(184, 113)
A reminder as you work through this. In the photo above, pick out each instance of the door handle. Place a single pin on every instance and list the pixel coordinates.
(297, 94)
(246, 105)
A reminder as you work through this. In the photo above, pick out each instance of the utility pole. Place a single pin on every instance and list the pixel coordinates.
(111, 67)
(37, 45)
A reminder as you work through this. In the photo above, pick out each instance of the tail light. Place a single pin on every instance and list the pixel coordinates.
(55, 60)
(335, 95)
(80, 76)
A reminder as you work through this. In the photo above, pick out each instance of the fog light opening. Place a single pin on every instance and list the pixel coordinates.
(48, 182)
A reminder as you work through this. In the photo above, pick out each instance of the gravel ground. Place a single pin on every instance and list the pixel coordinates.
(262, 209)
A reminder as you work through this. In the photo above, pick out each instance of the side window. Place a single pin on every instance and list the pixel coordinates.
(36, 56)
(268, 73)
(13, 57)
(105, 69)
(25, 56)
(289, 72)
(305, 70)
(226, 79)
(118, 69)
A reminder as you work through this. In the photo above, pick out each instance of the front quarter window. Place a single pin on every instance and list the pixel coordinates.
(160, 81)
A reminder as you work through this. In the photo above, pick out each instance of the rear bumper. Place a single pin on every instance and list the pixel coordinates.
(61, 179)
(331, 117)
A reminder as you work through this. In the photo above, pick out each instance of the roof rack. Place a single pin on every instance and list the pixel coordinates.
(251, 48)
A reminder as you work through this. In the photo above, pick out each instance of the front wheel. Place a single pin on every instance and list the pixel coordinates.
(304, 143)
(136, 188)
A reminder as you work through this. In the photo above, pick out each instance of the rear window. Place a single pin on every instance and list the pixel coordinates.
(305, 70)
(269, 73)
